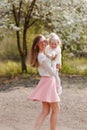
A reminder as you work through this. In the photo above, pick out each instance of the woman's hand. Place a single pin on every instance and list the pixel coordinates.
(58, 66)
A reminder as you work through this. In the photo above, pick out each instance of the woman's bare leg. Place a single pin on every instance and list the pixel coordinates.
(54, 115)
(42, 116)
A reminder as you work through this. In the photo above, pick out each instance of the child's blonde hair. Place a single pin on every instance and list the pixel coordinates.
(54, 38)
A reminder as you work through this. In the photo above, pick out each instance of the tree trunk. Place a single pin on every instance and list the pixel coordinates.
(22, 54)
(22, 48)
(63, 48)
(23, 64)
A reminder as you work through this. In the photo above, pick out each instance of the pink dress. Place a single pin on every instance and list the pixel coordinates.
(46, 90)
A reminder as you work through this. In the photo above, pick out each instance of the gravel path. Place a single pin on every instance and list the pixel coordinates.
(19, 113)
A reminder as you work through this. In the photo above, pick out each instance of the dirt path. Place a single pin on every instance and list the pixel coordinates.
(19, 113)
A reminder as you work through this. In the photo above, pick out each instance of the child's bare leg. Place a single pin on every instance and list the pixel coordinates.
(42, 116)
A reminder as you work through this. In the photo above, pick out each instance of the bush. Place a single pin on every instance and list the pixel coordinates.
(77, 66)
(9, 50)
(10, 68)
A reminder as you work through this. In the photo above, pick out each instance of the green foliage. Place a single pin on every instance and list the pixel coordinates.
(75, 66)
(38, 28)
(32, 70)
(68, 69)
(9, 68)
(8, 48)
(66, 18)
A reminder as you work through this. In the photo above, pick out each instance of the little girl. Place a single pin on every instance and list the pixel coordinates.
(53, 51)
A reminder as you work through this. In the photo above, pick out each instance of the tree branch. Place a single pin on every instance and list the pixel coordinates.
(28, 16)
(17, 20)
(19, 12)
(32, 23)
(15, 14)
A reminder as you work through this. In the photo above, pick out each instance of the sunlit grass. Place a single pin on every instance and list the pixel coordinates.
(73, 66)
(11, 68)
(77, 66)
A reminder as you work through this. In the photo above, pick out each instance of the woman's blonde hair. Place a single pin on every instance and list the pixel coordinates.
(34, 52)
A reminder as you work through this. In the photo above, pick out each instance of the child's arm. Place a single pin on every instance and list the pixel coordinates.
(51, 56)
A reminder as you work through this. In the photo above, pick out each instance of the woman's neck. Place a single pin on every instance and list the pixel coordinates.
(41, 51)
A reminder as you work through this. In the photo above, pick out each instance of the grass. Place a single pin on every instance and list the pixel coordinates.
(11, 68)
(73, 66)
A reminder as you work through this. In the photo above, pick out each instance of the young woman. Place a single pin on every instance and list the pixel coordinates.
(45, 91)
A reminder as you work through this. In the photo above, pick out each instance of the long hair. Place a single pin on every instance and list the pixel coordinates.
(34, 52)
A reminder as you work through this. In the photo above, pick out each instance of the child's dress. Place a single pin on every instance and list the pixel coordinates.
(51, 53)
(46, 89)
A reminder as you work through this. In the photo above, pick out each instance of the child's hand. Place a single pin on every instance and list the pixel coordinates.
(49, 56)
(58, 66)
(54, 57)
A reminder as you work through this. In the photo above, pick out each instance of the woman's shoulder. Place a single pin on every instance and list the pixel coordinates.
(41, 54)
(41, 57)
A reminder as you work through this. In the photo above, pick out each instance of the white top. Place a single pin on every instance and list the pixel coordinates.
(44, 67)
(52, 52)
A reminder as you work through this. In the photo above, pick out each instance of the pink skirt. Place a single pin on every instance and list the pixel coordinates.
(46, 90)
